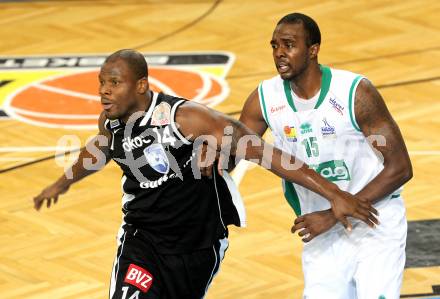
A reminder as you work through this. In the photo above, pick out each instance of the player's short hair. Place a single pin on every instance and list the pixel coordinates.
(310, 26)
(135, 60)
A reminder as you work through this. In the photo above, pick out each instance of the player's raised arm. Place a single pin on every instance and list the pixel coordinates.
(233, 138)
(94, 153)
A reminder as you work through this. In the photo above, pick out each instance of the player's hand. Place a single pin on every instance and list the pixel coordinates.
(50, 195)
(313, 224)
(206, 164)
(345, 204)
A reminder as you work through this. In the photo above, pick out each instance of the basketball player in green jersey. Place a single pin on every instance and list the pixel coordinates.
(338, 123)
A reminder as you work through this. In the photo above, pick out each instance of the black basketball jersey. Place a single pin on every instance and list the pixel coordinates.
(162, 199)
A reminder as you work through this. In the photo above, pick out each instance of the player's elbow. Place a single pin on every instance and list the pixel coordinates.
(407, 173)
(403, 172)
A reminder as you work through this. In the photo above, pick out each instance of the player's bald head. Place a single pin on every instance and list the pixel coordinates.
(135, 60)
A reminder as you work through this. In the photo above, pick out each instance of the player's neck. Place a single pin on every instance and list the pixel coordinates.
(308, 83)
(142, 104)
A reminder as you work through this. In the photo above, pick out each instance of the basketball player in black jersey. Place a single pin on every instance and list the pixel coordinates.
(174, 233)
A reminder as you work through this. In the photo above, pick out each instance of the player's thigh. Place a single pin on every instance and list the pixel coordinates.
(189, 275)
(206, 265)
(326, 280)
(380, 274)
(136, 272)
(381, 259)
(328, 267)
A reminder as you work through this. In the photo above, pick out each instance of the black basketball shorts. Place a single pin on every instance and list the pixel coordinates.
(139, 272)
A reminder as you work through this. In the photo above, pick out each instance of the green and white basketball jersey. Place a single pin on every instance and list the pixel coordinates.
(326, 137)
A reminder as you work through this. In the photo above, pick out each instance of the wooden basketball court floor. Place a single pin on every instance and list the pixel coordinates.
(67, 251)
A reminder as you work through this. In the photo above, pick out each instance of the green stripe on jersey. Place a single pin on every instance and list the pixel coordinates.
(261, 95)
(325, 86)
(292, 197)
(351, 103)
(288, 93)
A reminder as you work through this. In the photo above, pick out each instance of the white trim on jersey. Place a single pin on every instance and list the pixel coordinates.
(352, 96)
(150, 110)
(213, 269)
(113, 279)
(263, 104)
(236, 198)
(106, 122)
(126, 197)
(218, 199)
(112, 146)
(116, 265)
(224, 244)
(173, 123)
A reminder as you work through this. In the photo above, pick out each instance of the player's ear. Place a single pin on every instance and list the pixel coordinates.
(142, 85)
(314, 50)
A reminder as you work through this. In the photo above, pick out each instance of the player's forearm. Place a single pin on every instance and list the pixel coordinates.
(387, 181)
(246, 145)
(85, 165)
(296, 171)
(290, 168)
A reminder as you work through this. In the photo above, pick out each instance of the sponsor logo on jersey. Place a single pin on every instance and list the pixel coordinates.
(334, 170)
(276, 109)
(306, 128)
(161, 115)
(130, 144)
(290, 133)
(158, 182)
(139, 277)
(114, 123)
(62, 90)
(338, 107)
(327, 131)
(157, 158)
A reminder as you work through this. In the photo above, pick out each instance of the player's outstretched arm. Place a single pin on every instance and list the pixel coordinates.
(96, 149)
(232, 138)
(252, 117)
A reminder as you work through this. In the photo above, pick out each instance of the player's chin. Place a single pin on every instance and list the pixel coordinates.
(286, 75)
(111, 115)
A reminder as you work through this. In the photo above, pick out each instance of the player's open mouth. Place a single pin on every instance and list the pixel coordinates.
(107, 106)
(283, 67)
